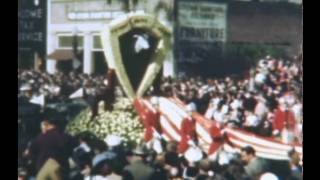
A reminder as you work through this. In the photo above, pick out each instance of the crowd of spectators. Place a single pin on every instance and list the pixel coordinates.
(267, 101)
(59, 86)
(56, 155)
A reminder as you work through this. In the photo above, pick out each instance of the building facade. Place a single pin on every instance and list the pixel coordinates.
(85, 19)
(196, 38)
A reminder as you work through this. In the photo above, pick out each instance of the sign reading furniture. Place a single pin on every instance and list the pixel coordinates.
(200, 31)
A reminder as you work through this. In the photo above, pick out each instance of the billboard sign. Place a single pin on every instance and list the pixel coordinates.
(201, 30)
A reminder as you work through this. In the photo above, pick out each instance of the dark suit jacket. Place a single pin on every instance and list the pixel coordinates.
(53, 144)
(139, 170)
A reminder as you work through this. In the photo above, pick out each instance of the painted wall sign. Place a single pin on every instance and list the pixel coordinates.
(32, 25)
(201, 30)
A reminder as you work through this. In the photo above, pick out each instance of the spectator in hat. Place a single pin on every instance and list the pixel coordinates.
(296, 168)
(138, 169)
(114, 144)
(205, 169)
(102, 167)
(255, 166)
(193, 155)
(268, 176)
(51, 149)
(160, 172)
(171, 155)
(82, 156)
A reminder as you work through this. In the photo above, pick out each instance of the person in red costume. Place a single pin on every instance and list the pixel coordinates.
(188, 132)
(283, 117)
(152, 122)
(217, 139)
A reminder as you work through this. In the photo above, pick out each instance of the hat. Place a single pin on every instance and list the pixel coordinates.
(190, 173)
(102, 157)
(193, 154)
(140, 150)
(52, 116)
(113, 140)
(268, 176)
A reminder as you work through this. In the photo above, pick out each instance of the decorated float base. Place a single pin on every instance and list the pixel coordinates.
(122, 121)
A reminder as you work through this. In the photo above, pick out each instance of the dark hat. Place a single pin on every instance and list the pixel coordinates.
(101, 159)
(172, 158)
(190, 172)
(51, 116)
(140, 151)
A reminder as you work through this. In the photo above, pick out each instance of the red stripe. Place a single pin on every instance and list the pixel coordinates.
(244, 140)
(162, 114)
(231, 136)
(263, 138)
(239, 148)
(169, 120)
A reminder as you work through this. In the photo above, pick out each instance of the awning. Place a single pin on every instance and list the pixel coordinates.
(62, 54)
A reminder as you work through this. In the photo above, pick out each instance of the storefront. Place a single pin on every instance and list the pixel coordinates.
(31, 34)
(84, 19)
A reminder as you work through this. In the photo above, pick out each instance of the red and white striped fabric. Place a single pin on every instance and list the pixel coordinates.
(265, 147)
(173, 112)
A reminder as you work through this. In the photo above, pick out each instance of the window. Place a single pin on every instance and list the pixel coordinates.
(67, 41)
(97, 42)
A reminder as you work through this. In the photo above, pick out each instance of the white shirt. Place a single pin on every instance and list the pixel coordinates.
(235, 104)
(234, 115)
(219, 116)
(252, 120)
(260, 109)
(297, 110)
(260, 78)
(97, 177)
(215, 101)
(209, 112)
(225, 109)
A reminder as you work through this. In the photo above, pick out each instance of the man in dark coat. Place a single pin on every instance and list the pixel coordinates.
(109, 96)
(138, 169)
(51, 148)
(255, 166)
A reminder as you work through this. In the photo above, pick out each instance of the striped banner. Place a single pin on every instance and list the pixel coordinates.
(172, 112)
